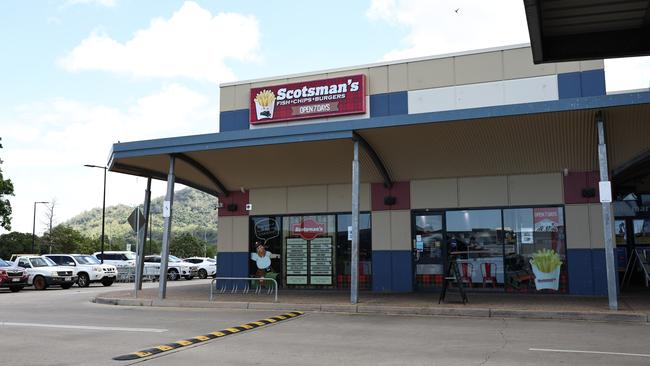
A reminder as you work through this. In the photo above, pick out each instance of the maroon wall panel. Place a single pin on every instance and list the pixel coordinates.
(400, 190)
(234, 197)
(575, 182)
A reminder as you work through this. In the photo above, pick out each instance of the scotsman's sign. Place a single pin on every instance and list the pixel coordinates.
(309, 99)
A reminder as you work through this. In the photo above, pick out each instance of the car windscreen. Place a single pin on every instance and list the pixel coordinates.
(41, 262)
(129, 256)
(4, 264)
(211, 260)
(174, 259)
(86, 259)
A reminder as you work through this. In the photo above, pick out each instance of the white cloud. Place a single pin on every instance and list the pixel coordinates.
(107, 3)
(434, 26)
(627, 73)
(46, 146)
(192, 43)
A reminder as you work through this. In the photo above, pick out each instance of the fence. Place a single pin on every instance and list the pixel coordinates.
(235, 282)
(127, 274)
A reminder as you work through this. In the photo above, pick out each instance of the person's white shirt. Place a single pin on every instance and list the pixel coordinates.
(262, 262)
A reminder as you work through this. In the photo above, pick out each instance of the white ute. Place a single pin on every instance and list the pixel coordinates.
(89, 269)
(43, 272)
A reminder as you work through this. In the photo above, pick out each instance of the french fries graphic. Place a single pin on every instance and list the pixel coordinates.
(264, 104)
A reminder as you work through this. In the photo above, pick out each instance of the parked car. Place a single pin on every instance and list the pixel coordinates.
(125, 262)
(176, 267)
(12, 277)
(43, 272)
(89, 268)
(118, 258)
(207, 266)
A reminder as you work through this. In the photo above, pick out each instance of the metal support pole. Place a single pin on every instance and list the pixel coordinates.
(142, 236)
(34, 229)
(167, 229)
(103, 214)
(354, 262)
(608, 222)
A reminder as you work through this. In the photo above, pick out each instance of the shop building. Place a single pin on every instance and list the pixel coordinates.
(480, 152)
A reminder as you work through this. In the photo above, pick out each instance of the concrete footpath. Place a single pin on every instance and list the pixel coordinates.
(633, 308)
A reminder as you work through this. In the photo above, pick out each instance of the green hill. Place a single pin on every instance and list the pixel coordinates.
(193, 213)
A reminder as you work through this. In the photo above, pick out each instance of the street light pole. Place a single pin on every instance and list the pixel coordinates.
(103, 205)
(34, 225)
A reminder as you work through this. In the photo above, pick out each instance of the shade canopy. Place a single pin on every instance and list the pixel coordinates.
(570, 30)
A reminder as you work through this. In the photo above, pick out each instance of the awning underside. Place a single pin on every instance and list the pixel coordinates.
(546, 142)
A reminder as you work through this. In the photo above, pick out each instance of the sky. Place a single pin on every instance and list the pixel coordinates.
(77, 76)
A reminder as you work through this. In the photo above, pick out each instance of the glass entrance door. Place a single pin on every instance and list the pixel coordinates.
(428, 250)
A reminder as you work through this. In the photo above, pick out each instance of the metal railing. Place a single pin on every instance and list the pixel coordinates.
(246, 288)
(126, 274)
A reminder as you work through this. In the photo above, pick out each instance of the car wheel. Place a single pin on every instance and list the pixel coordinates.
(172, 275)
(107, 281)
(189, 277)
(84, 280)
(203, 274)
(66, 286)
(15, 288)
(39, 283)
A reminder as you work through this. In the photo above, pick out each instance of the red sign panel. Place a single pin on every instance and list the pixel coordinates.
(308, 229)
(309, 99)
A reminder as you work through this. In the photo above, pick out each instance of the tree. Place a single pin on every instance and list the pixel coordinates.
(186, 245)
(65, 239)
(6, 189)
(15, 243)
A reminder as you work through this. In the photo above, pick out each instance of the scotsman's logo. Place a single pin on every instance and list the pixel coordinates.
(308, 229)
(264, 104)
(311, 99)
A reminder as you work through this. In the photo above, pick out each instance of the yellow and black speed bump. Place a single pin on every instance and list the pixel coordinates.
(214, 335)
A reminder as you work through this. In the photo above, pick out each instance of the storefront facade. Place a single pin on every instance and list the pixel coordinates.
(480, 152)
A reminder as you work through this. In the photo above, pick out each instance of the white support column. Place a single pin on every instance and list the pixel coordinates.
(354, 262)
(608, 222)
(142, 237)
(167, 229)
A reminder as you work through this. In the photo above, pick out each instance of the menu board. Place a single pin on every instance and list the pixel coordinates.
(296, 261)
(320, 264)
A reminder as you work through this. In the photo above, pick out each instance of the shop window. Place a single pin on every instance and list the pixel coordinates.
(474, 239)
(344, 247)
(535, 250)
(266, 231)
(642, 232)
(309, 244)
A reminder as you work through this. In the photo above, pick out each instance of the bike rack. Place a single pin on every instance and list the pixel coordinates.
(245, 289)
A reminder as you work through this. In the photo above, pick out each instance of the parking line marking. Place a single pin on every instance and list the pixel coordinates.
(592, 352)
(84, 327)
(203, 338)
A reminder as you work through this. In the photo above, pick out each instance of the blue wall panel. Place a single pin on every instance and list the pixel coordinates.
(402, 271)
(581, 84)
(233, 120)
(568, 85)
(379, 105)
(224, 264)
(398, 103)
(599, 272)
(381, 271)
(581, 280)
(592, 83)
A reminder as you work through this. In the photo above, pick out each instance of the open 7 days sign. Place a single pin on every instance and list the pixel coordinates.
(309, 99)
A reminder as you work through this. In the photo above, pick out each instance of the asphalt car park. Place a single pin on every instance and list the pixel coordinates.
(62, 327)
